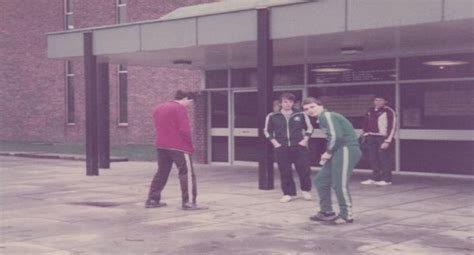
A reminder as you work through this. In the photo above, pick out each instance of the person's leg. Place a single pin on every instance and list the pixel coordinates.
(322, 181)
(189, 161)
(179, 158)
(386, 163)
(283, 158)
(302, 167)
(161, 177)
(373, 148)
(344, 161)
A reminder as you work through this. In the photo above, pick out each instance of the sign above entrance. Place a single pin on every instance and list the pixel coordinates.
(347, 72)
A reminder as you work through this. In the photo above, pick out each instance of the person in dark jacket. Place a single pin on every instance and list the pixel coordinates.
(289, 133)
(379, 130)
(174, 145)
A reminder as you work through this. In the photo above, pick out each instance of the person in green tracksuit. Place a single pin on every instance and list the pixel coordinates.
(341, 156)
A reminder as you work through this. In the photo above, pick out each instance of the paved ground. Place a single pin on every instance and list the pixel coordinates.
(51, 207)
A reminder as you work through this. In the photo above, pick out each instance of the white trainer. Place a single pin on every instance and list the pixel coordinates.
(306, 195)
(285, 199)
(383, 183)
(368, 182)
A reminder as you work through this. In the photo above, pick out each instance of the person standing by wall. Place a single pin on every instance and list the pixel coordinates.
(379, 130)
(289, 133)
(341, 156)
(174, 145)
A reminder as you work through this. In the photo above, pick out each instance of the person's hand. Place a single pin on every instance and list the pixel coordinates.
(384, 145)
(304, 143)
(276, 144)
(326, 156)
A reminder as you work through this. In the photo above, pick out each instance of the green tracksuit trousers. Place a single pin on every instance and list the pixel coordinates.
(336, 173)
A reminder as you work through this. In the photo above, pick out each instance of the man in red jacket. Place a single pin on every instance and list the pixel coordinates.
(174, 145)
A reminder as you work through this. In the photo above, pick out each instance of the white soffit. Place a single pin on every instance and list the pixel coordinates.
(368, 14)
(321, 17)
(116, 40)
(458, 9)
(166, 35)
(65, 45)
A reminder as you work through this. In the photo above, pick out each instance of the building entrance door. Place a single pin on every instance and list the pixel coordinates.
(244, 123)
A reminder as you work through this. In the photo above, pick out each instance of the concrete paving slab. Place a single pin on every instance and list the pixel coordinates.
(51, 207)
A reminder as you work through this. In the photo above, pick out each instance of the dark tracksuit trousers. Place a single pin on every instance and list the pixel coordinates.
(381, 160)
(183, 162)
(298, 155)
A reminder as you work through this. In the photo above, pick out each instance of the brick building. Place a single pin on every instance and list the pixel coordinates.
(419, 53)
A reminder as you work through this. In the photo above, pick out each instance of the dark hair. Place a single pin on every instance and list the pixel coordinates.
(382, 96)
(182, 94)
(310, 100)
(287, 96)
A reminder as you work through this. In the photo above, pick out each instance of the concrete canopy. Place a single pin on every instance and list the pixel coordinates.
(224, 34)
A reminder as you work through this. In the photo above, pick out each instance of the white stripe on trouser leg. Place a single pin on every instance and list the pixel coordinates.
(190, 178)
(345, 170)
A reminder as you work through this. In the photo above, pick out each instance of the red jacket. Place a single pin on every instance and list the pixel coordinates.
(172, 127)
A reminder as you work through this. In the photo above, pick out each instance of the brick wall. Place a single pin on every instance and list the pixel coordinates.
(33, 86)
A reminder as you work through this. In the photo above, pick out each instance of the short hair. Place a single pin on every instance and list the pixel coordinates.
(182, 94)
(310, 100)
(382, 96)
(287, 96)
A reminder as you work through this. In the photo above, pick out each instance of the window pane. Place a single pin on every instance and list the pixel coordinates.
(442, 66)
(246, 149)
(441, 105)
(353, 101)
(246, 110)
(453, 157)
(70, 99)
(288, 75)
(219, 110)
(246, 77)
(69, 22)
(220, 149)
(216, 79)
(122, 14)
(357, 71)
(123, 101)
(68, 5)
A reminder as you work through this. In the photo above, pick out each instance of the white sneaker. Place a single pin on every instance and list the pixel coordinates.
(306, 195)
(368, 182)
(383, 183)
(285, 199)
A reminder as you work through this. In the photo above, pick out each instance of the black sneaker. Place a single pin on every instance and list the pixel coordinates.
(323, 216)
(340, 221)
(191, 206)
(151, 203)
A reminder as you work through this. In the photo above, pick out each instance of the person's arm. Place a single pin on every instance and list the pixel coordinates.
(334, 133)
(365, 124)
(184, 127)
(268, 131)
(307, 132)
(391, 122)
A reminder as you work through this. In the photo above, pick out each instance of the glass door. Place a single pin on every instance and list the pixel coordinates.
(245, 123)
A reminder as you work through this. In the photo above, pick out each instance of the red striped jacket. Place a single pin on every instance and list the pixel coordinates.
(381, 122)
(173, 130)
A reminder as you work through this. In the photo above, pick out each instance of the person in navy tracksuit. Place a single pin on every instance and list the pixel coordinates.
(289, 132)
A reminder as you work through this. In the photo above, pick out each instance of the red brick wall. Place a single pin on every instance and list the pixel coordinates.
(33, 87)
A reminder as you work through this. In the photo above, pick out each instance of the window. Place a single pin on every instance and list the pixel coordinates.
(122, 94)
(288, 75)
(68, 15)
(437, 105)
(121, 11)
(70, 117)
(216, 79)
(246, 77)
(348, 72)
(353, 101)
(435, 67)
